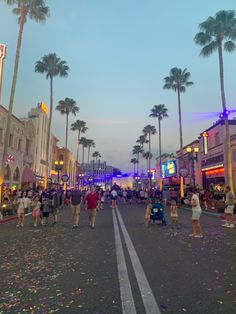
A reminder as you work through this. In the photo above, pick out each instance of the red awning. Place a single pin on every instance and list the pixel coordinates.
(28, 176)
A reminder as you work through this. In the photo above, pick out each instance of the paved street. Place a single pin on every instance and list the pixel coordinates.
(53, 269)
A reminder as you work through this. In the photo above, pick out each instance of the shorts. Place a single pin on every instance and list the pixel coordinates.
(36, 213)
(113, 198)
(46, 214)
(75, 209)
(229, 209)
(174, 215)
(92, 212)
(196, 214)
(20, 211)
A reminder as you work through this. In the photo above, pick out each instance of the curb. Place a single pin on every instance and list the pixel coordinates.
(12, 218)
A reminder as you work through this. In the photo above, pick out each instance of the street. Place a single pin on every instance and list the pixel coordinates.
(55, 268)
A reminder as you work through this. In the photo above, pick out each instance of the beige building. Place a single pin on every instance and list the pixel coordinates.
(19, 163)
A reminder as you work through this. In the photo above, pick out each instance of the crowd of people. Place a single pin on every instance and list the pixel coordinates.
(43, 203)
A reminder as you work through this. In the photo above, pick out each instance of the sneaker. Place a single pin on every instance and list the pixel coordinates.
(225, 225)
(22, 225)
(92, 226)
(76, 226)
(198, 236)
(230, 226)
(18, 225)
(35, 225)
(192, 235)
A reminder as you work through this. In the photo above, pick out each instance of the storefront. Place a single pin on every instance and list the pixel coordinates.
(214, 177)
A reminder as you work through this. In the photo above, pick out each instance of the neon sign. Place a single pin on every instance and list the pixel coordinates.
(169, 169)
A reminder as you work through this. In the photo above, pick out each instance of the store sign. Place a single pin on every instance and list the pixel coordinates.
(169, 168)
(65, 178)
(44, 107)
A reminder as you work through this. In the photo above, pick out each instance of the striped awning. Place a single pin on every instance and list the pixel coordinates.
(28, 176)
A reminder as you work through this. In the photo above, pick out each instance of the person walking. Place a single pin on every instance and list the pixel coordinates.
(229, 209)
(36, 209)
(20, 212)
(196, 213)
(76, 200)
(92, 200)
(114, 196)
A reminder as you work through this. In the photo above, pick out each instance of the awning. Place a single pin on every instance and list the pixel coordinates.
(28, 176)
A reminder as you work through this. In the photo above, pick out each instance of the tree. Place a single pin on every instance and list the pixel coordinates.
(79, 126)
(137, 150)
(217, 34)
(134, 161)
(52, 66)
(38, 12)
(96, 155)
(90, 143)
(142, 140)
(148, 157)
(65, 107)
(159, 112)
(84, 143)
(178, 81)
(148, 131)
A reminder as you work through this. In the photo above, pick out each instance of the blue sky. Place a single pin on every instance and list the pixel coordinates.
(119, 51)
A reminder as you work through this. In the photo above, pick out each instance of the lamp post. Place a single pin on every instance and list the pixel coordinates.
(58, 167)
(193, 151)
(81, 179)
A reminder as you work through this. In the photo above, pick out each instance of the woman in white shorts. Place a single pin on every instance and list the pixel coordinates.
(196, 213)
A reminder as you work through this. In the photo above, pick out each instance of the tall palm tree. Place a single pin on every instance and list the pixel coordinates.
(134, 161)
(84, 144)
(217, 34)
(159, 112)
(37, 11)
(90, 143)
(66, 107)
(52, 66)
(96, 155)
(137, 150)
(147, 156)
(142, 140)
(178, 81)
(148, 131)
(79, 126)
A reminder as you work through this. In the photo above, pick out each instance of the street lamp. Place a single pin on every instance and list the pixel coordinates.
(58, 167)
(80, 179)
(193, 151)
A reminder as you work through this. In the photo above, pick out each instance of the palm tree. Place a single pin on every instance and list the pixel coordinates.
(137, 150)
(178, 81)
(217, 34)
(142, 140)
(148, 131)
(90, 143)
(134, 161)
(79, 126)
(84, 143)
(96, 155)
(147, 156)
(37, 11)
(159, 112)
(66, 107)
(52, 66)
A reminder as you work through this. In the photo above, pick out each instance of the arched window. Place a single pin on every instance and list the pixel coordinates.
(7, 173)
(16, 175)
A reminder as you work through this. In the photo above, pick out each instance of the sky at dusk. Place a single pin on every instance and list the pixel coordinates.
(118, 52)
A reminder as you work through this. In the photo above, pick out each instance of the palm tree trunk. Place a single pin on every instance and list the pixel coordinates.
(138, 164)
(88, 153)
(160, 159)
(49, 133)
(149, 145)
(67, 122)
(142, 162)
(83, 155)
(134, 168)
(228, 153)
(10, 107)
(180, 122)
(77, 155)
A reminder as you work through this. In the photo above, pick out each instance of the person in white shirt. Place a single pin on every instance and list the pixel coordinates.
(113, 199)
(196, 213)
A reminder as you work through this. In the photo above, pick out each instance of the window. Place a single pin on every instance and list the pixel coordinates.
(27, 147)
(234, 155)
(11, 140)
(217, 139)
(19, 144)
(1, 135)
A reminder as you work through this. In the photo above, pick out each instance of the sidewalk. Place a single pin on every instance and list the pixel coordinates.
(9, 218)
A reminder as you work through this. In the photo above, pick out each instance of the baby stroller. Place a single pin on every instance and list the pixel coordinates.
(158, 213)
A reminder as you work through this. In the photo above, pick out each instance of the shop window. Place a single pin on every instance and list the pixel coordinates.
(217, 139)
(27, 147)
(7, 173)
(1, 135)
(61, 157)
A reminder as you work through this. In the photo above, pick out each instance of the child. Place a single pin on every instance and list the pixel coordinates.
(148, 214)
(46, 209)
(173, 213)
(36, 210)
(157, 211)
(20, 212)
